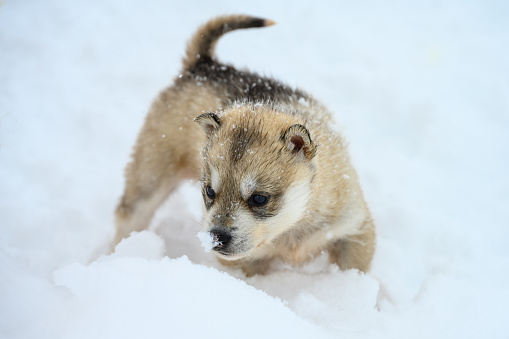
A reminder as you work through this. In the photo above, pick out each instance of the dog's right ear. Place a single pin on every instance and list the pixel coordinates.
(209, 122)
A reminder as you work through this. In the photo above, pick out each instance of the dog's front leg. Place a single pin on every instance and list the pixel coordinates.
(355, 251)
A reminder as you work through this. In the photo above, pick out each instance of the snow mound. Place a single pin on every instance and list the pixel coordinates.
(145, 244)
(170, 298)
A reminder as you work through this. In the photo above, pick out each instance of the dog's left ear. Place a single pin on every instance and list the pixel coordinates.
(209, 122)
(297, 140)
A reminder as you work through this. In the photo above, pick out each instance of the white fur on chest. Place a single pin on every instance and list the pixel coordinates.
(313, 243)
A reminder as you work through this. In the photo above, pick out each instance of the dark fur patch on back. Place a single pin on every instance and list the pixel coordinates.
(235, 85)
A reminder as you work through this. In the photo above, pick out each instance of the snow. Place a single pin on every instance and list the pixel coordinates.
(149, 293)
(418, 89)
(207, 241)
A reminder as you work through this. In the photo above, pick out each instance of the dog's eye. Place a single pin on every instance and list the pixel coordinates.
(258, 200)
(210, 192)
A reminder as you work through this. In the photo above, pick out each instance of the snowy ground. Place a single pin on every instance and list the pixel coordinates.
(421, 91)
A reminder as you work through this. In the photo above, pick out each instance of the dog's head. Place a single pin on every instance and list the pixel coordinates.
(258, 166)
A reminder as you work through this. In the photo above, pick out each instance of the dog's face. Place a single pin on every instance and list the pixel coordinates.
(257, 171)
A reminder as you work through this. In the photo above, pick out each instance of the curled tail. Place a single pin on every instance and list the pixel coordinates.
(204, 41)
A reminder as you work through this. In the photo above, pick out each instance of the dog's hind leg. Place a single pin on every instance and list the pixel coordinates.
(138, 205)
(166, 152)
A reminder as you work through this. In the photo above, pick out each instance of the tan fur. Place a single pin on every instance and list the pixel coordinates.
(167, 151)
(269, 140)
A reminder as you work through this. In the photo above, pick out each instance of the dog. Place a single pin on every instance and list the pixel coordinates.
(276, 181)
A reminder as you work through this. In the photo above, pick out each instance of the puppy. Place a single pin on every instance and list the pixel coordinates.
(276, 180)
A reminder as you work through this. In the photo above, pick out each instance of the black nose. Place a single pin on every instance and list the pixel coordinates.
(222, 239)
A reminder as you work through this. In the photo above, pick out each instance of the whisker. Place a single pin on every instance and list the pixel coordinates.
(201, 225)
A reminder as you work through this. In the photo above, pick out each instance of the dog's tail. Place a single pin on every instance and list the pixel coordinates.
(204, 41)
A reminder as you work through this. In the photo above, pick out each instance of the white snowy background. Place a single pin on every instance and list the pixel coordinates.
(420, 89)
